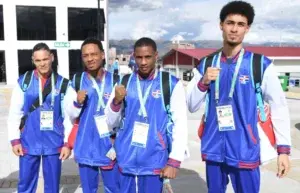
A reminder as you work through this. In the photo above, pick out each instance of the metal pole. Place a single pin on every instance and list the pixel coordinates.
(98, 20)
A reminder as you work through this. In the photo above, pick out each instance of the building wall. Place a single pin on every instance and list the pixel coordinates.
(9, 163)
(178, 73)
(182, 59)
(284, 66)
(11, 45)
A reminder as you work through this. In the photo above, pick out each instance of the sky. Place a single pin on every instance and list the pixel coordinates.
(275, 20)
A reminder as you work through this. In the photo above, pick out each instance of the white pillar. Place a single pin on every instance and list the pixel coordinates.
(10, 42)
(62, 36)
(106, 32)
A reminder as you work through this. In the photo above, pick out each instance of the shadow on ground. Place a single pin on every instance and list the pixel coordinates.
(188, 181)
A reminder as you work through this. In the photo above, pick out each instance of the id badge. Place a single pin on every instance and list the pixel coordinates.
(140, 134)
(46, 120)
(102, 126)
(225, 118)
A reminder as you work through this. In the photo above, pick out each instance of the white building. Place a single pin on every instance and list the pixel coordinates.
(63, 25)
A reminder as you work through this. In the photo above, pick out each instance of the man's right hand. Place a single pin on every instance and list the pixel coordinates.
(210, 75)
(81, 95)
(120, 93)
(17, 149)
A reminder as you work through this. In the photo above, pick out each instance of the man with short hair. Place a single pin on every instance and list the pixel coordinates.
(227, 81)
(151, 114)
(36, 103)
(86, 100)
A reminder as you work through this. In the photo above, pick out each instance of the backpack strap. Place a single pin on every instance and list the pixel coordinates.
(77, 81)
(257, 71)
(124, 82)
(64, 86)
(125, 79)
(63, 90)
(166, 89)
(208, 62)
(257, 74)
(27, 80)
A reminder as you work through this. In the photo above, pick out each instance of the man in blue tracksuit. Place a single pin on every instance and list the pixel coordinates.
(41, 134)
(116, 66)
(230, 143)
(93, 143)
(132, 64)
(151, 142)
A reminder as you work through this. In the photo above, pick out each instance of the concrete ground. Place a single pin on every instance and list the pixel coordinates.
(191, 177)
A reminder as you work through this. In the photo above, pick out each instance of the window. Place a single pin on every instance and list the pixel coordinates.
(2, 67)
(25, 62)
(36, 23)
(75, 62)
(82, 23)
(1, 23)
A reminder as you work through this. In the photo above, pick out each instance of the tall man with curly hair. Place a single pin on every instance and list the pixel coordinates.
(229, 82)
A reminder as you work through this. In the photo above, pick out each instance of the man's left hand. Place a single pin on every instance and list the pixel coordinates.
(169, 172)
(283, 165)
(65, 153)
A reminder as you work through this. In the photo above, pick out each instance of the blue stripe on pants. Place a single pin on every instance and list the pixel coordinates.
(146, 184)
(243, 180)
(89, 178)
(29, 173)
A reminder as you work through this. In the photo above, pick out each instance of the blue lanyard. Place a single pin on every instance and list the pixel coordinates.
(52, 91)
(99, 92)
(142, 100)
(233, 82)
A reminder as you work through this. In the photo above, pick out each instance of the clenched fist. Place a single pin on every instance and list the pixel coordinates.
(210, 75)
(81, 95)
(18, 150)
(120, 93)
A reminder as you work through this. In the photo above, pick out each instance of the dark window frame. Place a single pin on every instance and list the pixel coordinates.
(1, 23)
(78, 29)
(43, 27)
(3, 74)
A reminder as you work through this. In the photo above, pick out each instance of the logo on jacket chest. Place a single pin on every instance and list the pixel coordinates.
(156, 94)
(244, 79)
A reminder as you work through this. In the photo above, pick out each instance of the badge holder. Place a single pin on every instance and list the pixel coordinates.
(46, 120)
(101, 125)
(225, 118)
(140, 133)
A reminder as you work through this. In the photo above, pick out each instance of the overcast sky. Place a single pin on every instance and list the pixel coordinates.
(199, 20)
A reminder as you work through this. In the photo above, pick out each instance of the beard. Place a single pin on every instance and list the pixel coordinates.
(233, 44)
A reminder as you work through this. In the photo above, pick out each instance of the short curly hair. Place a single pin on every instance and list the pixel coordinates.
(238, 7)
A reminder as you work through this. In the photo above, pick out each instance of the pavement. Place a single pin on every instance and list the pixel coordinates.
(191, 178)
